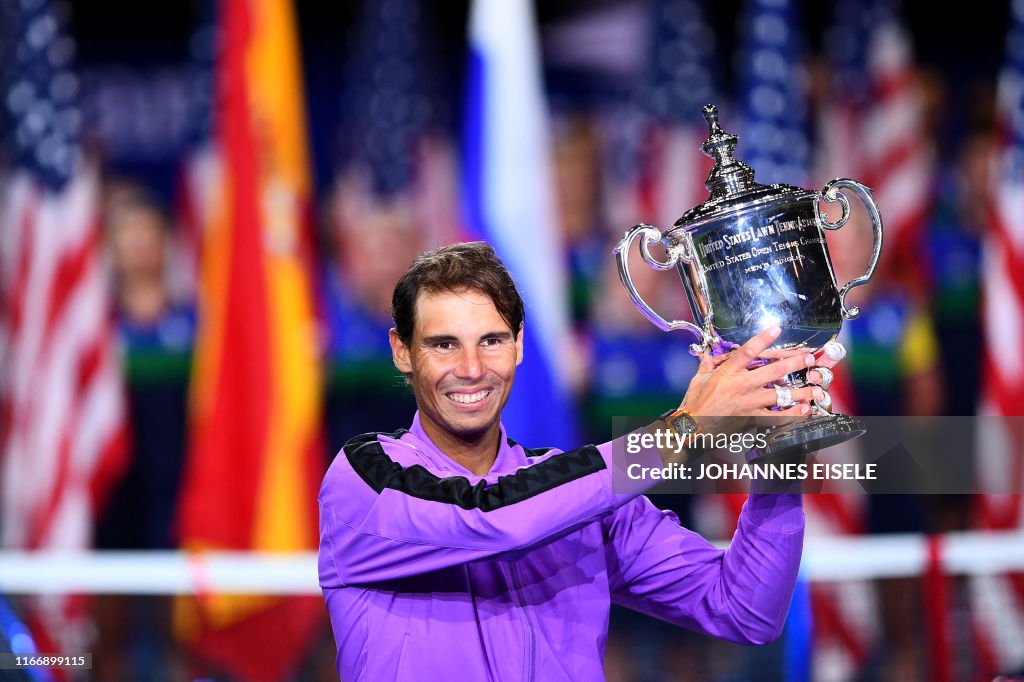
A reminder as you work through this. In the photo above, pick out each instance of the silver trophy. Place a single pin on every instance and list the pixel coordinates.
(753, 256)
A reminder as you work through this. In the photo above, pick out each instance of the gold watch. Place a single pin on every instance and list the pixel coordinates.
(681, 421)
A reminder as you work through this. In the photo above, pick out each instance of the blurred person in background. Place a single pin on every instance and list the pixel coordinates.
(895, 372)
(588, 241)
(962, 218)
(156, 334)
(370, 246)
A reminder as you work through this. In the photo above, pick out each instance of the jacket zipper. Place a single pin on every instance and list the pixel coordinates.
(530, 631)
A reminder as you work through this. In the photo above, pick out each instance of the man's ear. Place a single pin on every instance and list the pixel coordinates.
(399, 352)
(519, 345)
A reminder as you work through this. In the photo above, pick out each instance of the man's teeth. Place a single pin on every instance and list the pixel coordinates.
(469, 397)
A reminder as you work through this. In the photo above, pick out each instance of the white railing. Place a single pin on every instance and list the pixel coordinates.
(825, 559)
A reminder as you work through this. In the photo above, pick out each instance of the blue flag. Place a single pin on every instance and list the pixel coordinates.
(508, 203)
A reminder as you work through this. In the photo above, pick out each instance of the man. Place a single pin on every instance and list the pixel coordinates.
(449, 551)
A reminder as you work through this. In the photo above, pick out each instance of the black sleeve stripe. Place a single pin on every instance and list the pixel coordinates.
(530, 452)
(368, 459)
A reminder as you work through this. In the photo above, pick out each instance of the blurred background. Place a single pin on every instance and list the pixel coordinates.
(205, 207)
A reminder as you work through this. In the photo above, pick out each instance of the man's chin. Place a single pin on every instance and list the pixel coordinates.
(470, 430)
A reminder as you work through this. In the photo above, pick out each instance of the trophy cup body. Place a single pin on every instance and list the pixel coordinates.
(753, 256)
(764, 265)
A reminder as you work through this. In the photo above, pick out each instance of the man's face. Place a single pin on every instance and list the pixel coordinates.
(138, 242)
(462, 360)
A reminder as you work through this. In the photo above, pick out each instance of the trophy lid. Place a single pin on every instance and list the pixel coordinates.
(731, 182)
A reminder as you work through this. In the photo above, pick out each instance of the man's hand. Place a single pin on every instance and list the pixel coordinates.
(724, 387)
(727, 396)
(821, 374)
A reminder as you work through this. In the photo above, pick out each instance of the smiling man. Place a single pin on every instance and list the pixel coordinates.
(448, 551)
(461, 357)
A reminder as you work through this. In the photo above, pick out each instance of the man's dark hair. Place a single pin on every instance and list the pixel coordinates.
(470, 265)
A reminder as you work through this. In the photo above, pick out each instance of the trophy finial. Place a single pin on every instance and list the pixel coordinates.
(711, 116)
(729, 176)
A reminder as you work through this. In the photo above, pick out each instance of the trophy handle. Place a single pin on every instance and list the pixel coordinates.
(651, 235)
(830, 194)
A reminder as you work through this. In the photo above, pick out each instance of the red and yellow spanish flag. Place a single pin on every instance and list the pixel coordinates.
(255, 459)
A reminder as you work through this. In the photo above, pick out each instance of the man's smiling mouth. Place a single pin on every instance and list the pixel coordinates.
(469, 398)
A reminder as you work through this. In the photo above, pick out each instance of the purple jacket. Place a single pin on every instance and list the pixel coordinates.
(433, 573)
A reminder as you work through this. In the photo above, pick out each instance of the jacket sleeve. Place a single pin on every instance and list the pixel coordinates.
(741, 594)
(380, 520)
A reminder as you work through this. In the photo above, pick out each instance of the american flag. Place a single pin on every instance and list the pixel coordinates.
(872, 127)
(839, 119)
(657, 167)
(898, 158)
(64, 423)
(774, 93)
(396, 146)
(838, 152)
(999, 616)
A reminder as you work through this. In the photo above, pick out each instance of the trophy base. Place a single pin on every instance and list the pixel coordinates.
(811, 435)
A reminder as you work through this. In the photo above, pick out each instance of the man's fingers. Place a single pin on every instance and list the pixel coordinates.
(708, 362)
(774, 371)
(748, 352)
(801, 410)
(772, 419)
(824, 401)
(822, 360)
(769, 397)
(822, 376)
(719, 359)
(782, 353)
(831, 354)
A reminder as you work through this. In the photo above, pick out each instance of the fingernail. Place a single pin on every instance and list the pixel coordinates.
(809, 360)
(805, 409)
(815, 376)
(774, 331)
(818, 394)
(834, 350)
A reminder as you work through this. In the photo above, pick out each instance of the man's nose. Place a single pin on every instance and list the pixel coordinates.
(470, 365)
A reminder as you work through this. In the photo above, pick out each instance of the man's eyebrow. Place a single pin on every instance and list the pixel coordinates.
(440, 338)
(450, 338)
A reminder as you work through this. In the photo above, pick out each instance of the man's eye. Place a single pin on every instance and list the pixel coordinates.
(492, 341)
(444, 345)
